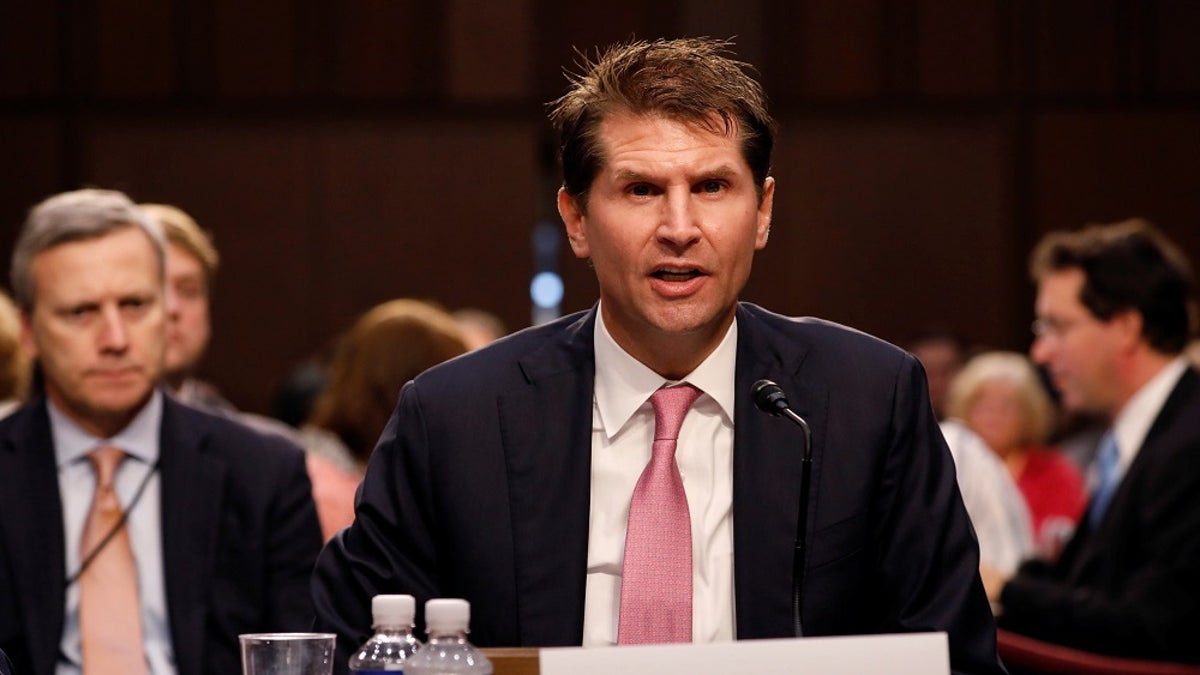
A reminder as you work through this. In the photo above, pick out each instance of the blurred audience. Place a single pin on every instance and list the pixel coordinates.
(993, 501)
(1000, 397)
(192, 262)
(479, 328)
(942, 352)
(15, 369)
(293, 400)
(1114, 314)
(137, 534)
(388, 346)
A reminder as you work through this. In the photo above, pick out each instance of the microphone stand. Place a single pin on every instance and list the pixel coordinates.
(769, 398)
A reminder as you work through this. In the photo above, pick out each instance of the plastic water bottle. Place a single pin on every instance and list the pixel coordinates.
(391, 648)
(448, 651)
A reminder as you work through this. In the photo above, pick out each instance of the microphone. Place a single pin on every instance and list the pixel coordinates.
(769, 398)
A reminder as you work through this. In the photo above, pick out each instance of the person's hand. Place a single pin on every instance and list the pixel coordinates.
(993, 582)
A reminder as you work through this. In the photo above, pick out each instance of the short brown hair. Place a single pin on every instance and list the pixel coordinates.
(689, 80)
(389, 345)
(1128, 265)
(183, 231)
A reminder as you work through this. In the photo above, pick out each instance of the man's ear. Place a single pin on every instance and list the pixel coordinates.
(1129, 324)
(573, 217)
(765, 204)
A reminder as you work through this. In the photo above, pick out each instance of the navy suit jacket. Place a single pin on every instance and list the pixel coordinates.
(240, 536)
(479, 488)
(1131, 587)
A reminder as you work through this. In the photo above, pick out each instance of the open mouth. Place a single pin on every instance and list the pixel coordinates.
(677, 275)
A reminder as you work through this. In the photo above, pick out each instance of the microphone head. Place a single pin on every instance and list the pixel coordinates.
(769, 397)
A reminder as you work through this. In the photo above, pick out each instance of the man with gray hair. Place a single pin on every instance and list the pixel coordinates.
(137, 535)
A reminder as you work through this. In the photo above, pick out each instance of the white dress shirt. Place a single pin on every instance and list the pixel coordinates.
(622, 436)
(994, 502)
(77, 485)
(1135, 419)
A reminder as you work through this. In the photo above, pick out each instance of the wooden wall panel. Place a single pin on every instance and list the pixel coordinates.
(740, 21)
(250, 184)
(31, 170)
(257, 48)
(826, 49)
(1077, 47)
(30, 44)
(349, 152)
(893, 224)
(135, 49)
(377, 48)
(486, 64)
(959, 48)
(560, 28)
(1176, 64)
(439, 211)
(1103, 167)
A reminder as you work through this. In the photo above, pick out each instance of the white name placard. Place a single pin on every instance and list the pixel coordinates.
(908, 654)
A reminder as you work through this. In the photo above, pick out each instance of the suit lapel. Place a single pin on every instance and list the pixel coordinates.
(546, 431)
(192, 483)
(766, 476)
(31, 522)
(1089, 549)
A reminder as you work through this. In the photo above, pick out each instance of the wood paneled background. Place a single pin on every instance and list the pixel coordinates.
(344, 153)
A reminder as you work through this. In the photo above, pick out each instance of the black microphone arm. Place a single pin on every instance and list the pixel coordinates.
(769, 398)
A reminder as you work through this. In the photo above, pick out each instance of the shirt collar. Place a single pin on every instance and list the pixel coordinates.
(1135, 419)
(623, 383)
(139, 439)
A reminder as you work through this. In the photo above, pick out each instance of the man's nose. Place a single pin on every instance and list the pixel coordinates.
(114, 334)
(680, 219)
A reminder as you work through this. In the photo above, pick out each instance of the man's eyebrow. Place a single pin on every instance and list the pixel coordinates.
(717, 172)
(631, 175)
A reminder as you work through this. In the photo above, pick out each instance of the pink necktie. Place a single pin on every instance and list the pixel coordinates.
(110, 619)
(656, 578)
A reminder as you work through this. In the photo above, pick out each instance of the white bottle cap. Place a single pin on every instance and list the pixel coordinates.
(393, 610)
(447, 615)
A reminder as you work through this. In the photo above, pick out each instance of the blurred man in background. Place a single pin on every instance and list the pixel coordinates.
(1114, 313)
(139, 534)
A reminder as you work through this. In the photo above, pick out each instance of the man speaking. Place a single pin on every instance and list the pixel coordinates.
(607, 478)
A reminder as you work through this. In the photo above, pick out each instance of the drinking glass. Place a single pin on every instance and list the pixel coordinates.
(287, 653)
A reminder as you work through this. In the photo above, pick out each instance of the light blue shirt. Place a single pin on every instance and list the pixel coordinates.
(77, 484)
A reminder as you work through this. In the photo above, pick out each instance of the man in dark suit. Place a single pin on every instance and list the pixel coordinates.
(506, 476)
(1114, 315)
(219, 532)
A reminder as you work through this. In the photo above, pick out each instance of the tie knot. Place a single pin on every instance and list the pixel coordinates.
(670, 407)
(105, 462)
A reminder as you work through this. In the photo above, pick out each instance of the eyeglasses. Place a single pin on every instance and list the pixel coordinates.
(1046, 327)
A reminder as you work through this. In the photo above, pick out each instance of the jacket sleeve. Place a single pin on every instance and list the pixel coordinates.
(390, 547)
(928, 553)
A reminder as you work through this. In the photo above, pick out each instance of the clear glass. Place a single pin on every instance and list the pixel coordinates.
(388, 651)
(449, 653)
(287, 653)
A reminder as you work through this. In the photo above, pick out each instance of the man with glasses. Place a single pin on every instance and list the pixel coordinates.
(1114, 314)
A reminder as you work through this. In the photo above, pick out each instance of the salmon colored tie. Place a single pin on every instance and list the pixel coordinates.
(656, 579)
(110, 619)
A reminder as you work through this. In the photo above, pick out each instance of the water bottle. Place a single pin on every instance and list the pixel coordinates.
(448, 651)
(391, 648)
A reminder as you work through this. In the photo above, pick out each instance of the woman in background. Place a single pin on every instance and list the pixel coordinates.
(15, 367)
(388, 346)
(1000, 397)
